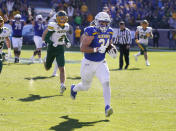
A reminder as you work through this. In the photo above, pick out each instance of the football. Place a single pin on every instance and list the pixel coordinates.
(112, 51)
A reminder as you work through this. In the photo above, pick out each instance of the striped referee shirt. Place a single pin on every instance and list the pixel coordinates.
(124, 36)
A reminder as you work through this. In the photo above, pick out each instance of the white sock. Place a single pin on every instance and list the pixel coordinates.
(106, 93)
(138, 54)
(78, 87)
(62, 84)
(55, 68)
(82, 86)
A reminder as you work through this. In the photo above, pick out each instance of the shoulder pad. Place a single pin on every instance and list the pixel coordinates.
(90, 31)
(110, 30)
(149, 28)
(52, 26)
(67, 26)
(6, 31)
(139, 27)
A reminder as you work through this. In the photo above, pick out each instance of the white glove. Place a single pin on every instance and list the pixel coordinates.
(113, 53)
(44, 44)
(9, 53)
(102, 49)
(68, 44)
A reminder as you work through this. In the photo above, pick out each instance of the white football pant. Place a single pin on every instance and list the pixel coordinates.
(38, 41)
(17, 42)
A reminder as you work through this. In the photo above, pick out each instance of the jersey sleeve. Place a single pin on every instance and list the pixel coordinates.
(67, 27)
(149, 29)
(7, 32)
(111, 33)
(90, 31)
(138, 28)
(51, 26)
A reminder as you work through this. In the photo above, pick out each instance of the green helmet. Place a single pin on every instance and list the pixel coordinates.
(61, 18)
(1, 22)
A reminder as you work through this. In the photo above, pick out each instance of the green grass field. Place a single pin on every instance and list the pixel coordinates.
(143, 98)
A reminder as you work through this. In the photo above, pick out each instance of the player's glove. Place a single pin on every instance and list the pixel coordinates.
(101, 49)
(113, 53)
(44, 44)
(68, 44)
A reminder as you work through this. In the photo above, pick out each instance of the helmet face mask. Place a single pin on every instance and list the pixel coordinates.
(102, 21)
(1, 22)
(39, 18)
(17, 17)
(61, 18)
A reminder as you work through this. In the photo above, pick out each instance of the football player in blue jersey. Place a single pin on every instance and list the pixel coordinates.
(17, 39)
(94, 43)
(39, 26)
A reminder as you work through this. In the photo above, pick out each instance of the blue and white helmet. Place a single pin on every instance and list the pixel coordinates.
(39, 18)
(102, 16)
(17, 16)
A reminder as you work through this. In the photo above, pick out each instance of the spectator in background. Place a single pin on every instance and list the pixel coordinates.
(89, 18)
(70, 11)
(77, 35)
(156, 37)
(9, 5)
(78, 19)
(84, 8)
(174, 38)
(170, 37)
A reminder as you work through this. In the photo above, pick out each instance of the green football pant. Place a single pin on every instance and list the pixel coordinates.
(55, 52)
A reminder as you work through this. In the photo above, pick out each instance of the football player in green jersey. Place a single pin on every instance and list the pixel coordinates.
(55, 37)
(4, 38)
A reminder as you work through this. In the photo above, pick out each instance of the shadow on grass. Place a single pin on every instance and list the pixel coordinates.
(71, 124)
(132, 69)
(34, 98)
(74, 78)
(38, 77)
(114, 70)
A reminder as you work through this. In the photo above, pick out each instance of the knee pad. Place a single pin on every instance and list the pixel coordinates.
(35, 52)
(15, 52)
(39, 52)
(19, 52)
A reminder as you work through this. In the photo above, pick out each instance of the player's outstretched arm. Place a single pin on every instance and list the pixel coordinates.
(85, 42)
(8, 46)
(44, 34)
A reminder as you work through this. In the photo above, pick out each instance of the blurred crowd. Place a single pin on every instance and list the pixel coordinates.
(160, 13)
(9, 8)
(77, 10)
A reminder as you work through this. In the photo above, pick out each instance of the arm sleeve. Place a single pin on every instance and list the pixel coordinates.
(89, 31)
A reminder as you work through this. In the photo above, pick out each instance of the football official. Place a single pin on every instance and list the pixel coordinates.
(124, 40)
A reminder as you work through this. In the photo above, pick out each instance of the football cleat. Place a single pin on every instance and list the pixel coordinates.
(108, 111)
(16, 60)
(40, 60)
(62, 89)
(136, 57)
(147, 63)
(72, 93)
(54, 74)
(32, 59)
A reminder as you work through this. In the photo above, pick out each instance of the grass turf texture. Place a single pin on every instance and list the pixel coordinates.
(143, 98)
